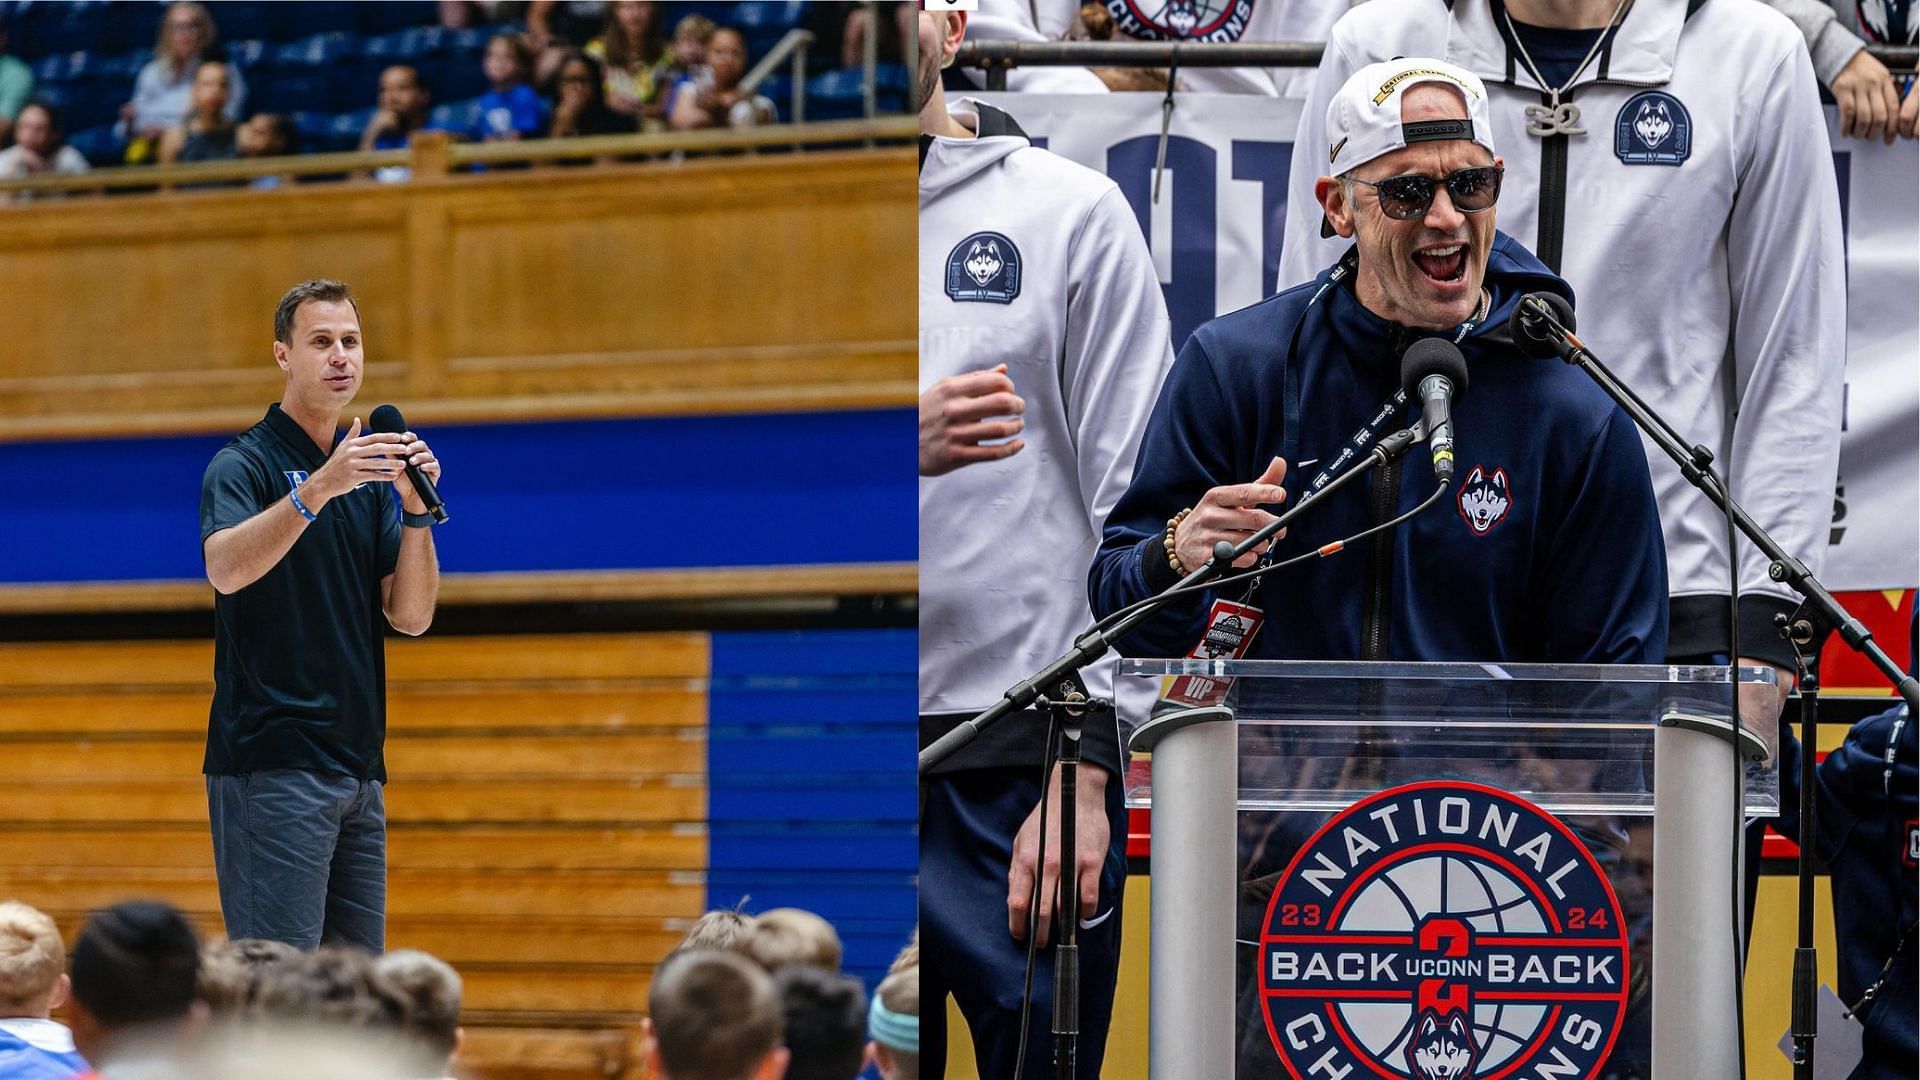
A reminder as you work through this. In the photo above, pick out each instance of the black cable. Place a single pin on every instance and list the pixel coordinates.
(1320, 552)
(1033, 904)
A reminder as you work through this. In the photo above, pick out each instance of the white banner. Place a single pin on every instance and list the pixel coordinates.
(1215, 235)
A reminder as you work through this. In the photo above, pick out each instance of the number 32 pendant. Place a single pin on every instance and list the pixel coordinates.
(1558, 118)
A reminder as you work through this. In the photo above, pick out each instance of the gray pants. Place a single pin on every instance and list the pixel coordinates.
(301, 857)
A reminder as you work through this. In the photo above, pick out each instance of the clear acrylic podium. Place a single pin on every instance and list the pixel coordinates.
(1244, 762)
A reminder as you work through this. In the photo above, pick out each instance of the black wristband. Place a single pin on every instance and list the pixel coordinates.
(416, 521)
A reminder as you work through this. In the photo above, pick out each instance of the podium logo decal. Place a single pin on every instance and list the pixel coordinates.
(1443, 931)
(1182, 20)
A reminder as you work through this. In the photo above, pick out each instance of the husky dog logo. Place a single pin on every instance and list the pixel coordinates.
(983, 261)
(1653, 125)
(985, 268)
(1441, 1049)
(1653, 128)
(1443, 930)
(1484, 499)
(1182, 20)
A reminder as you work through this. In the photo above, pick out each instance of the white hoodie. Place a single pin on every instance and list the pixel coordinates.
(1005, 546)
(1713, 285)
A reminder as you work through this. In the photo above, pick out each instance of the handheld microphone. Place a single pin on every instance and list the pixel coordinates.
(1433, 371)
(387, 419)
(1540, 325)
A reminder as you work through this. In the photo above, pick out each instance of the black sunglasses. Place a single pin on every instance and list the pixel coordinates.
(1406, 197)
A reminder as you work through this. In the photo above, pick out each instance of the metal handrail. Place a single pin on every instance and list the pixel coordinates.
(794, 43)
(998, 56)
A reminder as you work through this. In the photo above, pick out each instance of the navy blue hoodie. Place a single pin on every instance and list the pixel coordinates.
(1569, 568)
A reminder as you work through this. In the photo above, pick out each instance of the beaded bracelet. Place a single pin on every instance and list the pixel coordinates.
(1173, 525)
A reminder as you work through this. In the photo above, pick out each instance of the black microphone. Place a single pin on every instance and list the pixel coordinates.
(1541, 333)
(387, 419)
(1433, 371)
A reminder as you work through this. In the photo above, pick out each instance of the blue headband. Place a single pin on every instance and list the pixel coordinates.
(895, 1031)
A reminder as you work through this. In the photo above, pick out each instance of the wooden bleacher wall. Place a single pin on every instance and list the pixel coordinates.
(725, 350)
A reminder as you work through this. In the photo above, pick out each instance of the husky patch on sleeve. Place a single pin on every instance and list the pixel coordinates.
(1484, 499)
(984, 268)
(1653, 128)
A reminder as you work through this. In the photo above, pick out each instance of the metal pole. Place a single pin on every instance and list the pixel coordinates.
(1695, 961)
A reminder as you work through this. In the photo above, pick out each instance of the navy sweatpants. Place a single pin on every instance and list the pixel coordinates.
(967, 825)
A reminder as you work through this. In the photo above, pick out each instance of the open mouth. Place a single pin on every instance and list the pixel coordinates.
(1446, 264)
(340, 381)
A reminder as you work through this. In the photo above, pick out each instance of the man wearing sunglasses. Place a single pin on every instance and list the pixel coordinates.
(1545, 548)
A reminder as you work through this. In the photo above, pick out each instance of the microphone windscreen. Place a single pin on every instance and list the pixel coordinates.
(387, 418)
(1533, 340)
(1433, 356)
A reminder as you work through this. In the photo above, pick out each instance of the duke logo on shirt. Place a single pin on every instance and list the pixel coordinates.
(1653, 128)
(984, 268)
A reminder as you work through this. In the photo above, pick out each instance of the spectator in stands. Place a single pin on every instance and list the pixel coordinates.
(38, 148)
(825, 1015)
(687, 56)
(231, 973)
(900, 24)
(580, 105)
(405, 107)
(722, 930)
(712, 98)
(266, 135)
(135, 1001)
(713, 1016)
(163, 91)
(332, 988)
(635, 54)
(432, 989)
(893, 1022)
(33, 983)
(16, 85)
(510, 109)
(785, 937)
(207, 133)
(556, 28)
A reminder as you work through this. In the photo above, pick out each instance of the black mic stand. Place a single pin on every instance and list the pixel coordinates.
(1818, 615)
(1808, 630)
(1062, 677)
(1539, 322)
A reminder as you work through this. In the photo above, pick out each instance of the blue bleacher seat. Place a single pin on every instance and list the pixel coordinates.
(835, 95)
(291, 21)
(100, 145)
(456, 116)
(346, 129)
(395, 15)
(315, 128)
(764, 22)
(316, 50)
(287, 93)
(134, 25)
(249, 53)
(50, 69)
(243, 22)
(453, 78)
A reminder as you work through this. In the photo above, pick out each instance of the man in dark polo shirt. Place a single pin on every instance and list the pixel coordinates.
(309, 556)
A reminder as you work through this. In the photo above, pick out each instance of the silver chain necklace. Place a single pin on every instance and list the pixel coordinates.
(1557, 117)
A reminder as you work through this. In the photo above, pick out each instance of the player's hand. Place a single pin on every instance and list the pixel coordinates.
(1869, 102)
(1090, 839)
(960, 412)
(1909, 121)
(1231, 513)
(357, 460)
(1761, 706)
(415, 452)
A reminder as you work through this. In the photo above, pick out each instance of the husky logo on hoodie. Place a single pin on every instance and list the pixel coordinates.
(985, 268)
(1484, 499)
(1653, 128)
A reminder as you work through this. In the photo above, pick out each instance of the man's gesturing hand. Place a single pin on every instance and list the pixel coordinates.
(418, 454)
(357, 460)
(1231, 513)
(956, 416)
